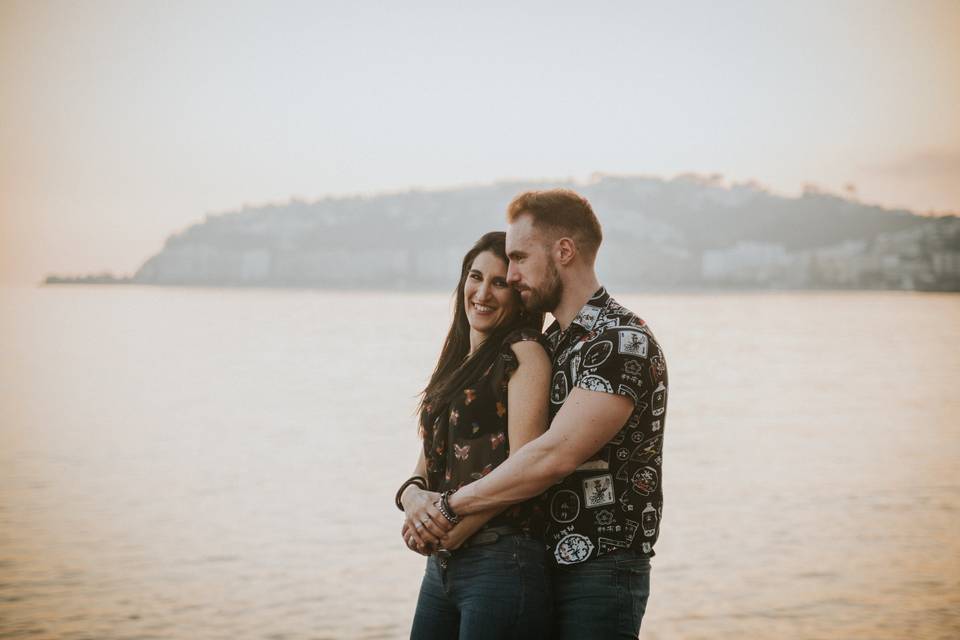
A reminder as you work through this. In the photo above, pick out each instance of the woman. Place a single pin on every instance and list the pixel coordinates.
(487, 396)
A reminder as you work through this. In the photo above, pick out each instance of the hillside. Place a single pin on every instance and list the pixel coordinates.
(691, 231)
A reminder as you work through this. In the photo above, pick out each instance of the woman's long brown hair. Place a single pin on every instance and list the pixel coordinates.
(453, 370)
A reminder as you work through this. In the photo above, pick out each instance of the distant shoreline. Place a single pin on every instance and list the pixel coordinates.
(427, 288)
(91, 279)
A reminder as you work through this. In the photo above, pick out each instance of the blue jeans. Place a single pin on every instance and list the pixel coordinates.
(492, 592)
(601, 599)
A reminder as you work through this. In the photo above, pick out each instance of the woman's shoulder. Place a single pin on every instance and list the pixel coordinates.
(520, 342)
(523, 334)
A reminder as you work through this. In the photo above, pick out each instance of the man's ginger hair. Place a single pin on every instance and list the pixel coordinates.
(563, 212)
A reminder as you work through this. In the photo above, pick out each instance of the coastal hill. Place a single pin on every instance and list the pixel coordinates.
(691, 232)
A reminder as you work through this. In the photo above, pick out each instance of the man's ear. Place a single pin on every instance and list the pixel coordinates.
(565, 250)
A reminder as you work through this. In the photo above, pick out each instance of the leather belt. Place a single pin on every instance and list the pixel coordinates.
(487, 535)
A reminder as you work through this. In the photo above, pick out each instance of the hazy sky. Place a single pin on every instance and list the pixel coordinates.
(121, 122)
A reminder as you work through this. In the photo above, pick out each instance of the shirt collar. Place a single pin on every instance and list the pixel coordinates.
(589, 314)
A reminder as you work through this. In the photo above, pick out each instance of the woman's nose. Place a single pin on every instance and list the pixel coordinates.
(483, 291)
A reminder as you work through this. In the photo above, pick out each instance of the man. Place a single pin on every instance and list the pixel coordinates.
(603, 448)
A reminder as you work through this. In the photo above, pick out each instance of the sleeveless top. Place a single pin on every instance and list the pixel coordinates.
(473, 439)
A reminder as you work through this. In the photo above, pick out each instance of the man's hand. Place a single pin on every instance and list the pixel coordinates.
(458, 535)
(424, 522)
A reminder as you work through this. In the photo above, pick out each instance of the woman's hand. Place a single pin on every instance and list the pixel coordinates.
(410, 542)
(451, 542)
(424, 522)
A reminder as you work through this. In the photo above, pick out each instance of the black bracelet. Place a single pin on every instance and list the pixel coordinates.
(443, 505)
(420, 481)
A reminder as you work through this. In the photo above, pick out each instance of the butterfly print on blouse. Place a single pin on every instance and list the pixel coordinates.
(461, 453)
(477, 475)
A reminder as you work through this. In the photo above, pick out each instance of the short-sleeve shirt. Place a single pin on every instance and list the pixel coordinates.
(474, 439)
(614, 500)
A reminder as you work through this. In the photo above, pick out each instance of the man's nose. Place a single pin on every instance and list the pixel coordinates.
(513, 276)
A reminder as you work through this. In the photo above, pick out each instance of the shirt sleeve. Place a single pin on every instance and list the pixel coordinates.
(614, 362)
(508, 357)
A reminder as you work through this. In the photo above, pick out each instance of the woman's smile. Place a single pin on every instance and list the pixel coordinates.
(482, 308)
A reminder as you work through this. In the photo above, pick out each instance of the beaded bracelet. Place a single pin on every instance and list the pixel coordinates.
(443, 505)
(419, 481)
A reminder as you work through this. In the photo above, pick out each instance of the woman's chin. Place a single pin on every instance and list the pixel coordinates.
(483, 326)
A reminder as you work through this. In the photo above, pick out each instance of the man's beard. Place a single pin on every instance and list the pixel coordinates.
(546, 298)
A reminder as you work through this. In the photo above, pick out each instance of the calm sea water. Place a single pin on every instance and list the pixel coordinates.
(180, 463)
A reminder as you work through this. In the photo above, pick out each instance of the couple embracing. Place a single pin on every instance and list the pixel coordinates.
(537, 492)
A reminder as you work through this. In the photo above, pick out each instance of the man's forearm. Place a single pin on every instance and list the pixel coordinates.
(526, 473)
(586, 422)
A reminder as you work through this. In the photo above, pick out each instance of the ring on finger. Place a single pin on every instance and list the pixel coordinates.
(419, 525)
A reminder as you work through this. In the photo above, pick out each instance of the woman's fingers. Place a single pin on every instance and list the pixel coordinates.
(429, 524)
(422, 547)
(421, 534)
(412, 539)
(415, 524)
(420, 520)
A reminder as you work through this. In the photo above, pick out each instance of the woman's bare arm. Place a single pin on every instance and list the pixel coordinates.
(527, 411)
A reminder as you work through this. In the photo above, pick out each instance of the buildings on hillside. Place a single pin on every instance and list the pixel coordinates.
(926, 257)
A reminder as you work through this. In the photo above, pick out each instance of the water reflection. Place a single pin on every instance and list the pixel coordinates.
(182, 464)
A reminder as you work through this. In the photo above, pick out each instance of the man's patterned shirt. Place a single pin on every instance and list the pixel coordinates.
(614, 500)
